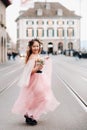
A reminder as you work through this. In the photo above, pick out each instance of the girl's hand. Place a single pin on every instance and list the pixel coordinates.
(39, 67)
(47, 57)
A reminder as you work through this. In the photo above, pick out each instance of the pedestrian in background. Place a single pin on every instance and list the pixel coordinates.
(80, 55)
(77, 56)
(14, 54)
(9, 54)
(36, 96)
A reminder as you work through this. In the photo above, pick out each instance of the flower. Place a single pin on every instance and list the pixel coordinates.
(40, 61)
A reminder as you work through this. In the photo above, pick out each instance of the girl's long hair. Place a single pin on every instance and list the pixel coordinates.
(29, 50)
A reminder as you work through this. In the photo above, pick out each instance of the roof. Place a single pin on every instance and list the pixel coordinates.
(47, 13)
(6, 2)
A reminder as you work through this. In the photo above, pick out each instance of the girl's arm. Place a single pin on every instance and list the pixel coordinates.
(47, 57)
(36, 68)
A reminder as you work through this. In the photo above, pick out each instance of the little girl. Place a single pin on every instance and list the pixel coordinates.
(36, 97)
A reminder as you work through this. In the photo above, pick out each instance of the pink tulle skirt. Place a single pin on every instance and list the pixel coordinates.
(37, 98)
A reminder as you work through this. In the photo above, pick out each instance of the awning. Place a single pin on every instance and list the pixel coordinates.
(50, 45)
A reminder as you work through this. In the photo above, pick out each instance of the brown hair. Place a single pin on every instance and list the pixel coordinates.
(29, 50)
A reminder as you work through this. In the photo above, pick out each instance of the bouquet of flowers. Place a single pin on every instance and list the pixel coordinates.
(39, 61)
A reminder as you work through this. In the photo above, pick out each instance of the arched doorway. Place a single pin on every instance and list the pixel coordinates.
(50, 47)
(60, 47)
(70, 46)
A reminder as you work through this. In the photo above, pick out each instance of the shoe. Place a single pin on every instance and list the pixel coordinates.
(30, 121)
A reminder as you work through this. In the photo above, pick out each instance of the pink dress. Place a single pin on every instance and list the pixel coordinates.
(36, 96)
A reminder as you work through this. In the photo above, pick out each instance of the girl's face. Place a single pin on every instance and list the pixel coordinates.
(35, 48)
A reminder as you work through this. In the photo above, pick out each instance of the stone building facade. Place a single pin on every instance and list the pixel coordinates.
(3, 35)
(56, 26)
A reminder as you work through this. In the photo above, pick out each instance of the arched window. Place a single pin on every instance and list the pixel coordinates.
(60, 46)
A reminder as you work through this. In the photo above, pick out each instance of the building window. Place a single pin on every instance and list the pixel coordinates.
(26, 32)
(50, 32)
(60, 22)
(50, 22)
(70, 22)
(73, 33)
(17, 33)
(40, 32)
(63, 33)
(26, 22)
(59, 12)
(30, 22)
(30, 32)
(39, 12)
(4, 41)
(70, 32)
(47, 5)
(60, 32)
(40, 22)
